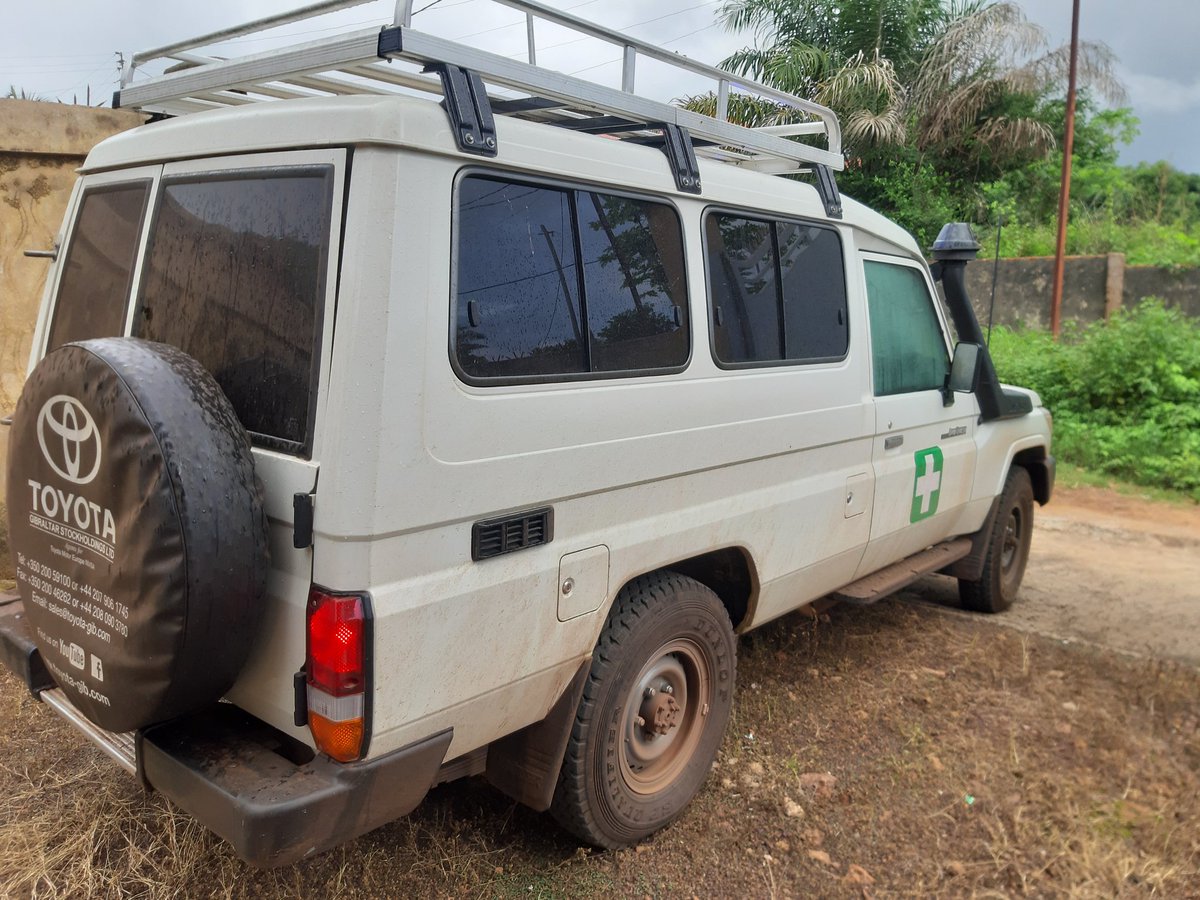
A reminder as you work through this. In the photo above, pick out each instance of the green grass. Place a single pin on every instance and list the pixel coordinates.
(1125, 394)
(1144, 243)
(1070, 475)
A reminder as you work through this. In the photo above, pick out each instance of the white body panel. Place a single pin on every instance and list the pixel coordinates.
(785, 464)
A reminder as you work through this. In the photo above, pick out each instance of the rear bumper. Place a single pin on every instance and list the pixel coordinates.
(229, 770)
(270, 797)
(18, 652)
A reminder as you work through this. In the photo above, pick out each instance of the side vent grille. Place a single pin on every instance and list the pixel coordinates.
(493, 537)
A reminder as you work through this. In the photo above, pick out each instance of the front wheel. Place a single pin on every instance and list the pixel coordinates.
(1008, 549)
(653, 712)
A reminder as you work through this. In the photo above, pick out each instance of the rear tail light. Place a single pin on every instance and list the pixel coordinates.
(339, 643)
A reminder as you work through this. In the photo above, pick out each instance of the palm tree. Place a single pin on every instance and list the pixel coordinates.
(945, 77)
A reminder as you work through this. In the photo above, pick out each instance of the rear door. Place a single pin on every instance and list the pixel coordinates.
(240, 271)
(234, 261)
(924, 451)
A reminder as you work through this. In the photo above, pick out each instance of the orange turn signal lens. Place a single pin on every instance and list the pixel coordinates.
(340, 740)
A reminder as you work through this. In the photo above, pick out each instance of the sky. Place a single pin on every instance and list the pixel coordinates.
(58, 48)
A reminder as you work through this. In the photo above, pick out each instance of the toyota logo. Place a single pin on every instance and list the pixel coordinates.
(69, 438)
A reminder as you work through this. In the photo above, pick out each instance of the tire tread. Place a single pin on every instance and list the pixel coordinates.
(986, 595)
(633, 604)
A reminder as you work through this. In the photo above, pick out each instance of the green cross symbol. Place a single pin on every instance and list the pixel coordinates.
(927, 483)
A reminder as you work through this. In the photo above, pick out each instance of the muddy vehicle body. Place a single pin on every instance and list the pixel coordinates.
(371, 442)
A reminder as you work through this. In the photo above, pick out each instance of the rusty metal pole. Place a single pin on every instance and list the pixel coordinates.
(1064, 196)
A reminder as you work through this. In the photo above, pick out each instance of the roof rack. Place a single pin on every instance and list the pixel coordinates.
(475, 84)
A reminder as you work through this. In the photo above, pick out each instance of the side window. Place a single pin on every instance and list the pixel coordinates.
(777, 289)
(235, 276)
(741, 261)
(907, 343)
(559, 283)
(94, 291)
(814, 291)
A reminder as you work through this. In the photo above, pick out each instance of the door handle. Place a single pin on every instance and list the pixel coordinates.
(891, 443)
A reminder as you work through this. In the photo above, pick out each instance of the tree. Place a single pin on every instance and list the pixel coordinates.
(934, 96)
(942, 76)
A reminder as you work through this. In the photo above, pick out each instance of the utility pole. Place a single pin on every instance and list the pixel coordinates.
(1064, 196)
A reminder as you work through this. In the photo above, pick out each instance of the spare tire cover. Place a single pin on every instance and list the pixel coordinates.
(137, 527)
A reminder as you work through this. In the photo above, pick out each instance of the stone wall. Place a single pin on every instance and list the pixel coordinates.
(41, 146)
(1093, 286)
(1177, 287)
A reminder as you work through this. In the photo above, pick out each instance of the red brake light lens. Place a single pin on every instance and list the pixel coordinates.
(336, 633)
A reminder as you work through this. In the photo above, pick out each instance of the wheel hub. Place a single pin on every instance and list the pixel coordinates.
(664, 713)
(660, 712)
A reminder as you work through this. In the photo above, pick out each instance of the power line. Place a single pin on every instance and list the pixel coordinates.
(462, 37)
(664, 43)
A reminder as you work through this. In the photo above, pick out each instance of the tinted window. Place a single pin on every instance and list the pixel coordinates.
(633, 276)
(744, 290)
(519, 309)
(814, 292)
(235, 273)
(907, 344)
(562, 283)
(94, 290)
(778, 291)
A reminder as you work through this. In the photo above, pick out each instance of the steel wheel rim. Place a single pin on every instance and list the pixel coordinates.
(1013, 535)
(650, 760)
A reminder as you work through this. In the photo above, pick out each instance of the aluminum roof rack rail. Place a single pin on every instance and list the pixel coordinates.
(478, 84)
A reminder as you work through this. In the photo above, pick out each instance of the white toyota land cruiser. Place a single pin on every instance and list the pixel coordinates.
(370, 442)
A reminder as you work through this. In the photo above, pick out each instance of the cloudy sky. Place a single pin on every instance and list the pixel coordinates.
(58, 48)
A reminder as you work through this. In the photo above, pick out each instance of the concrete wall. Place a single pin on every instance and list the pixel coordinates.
(1092, 287)
(41, 146)
(1177, 287)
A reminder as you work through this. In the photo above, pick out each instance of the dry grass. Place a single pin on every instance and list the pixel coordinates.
(7, 574)
(966, 761)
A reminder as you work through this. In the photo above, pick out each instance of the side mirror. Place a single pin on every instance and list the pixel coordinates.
(964, 371)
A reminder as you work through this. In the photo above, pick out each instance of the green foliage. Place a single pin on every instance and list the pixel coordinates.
(21, 94)
(910, 190)
(1149, 212)
(1144, 243)
(1125, 394)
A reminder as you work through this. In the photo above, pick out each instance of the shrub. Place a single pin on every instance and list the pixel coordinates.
(1125, 394)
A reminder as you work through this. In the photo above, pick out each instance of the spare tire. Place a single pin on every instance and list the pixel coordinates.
(138, 529)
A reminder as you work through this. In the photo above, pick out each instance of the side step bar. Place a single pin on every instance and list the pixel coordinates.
(20, 654)
(886, 581)
(119, 747)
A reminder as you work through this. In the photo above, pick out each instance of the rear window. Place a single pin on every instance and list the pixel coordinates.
(94, 291)
(234, 276)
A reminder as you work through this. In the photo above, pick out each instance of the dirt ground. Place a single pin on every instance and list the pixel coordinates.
(900, 750)
(1114, 570)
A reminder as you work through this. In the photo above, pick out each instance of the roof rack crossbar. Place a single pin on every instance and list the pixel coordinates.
(225, 34)
(358, 62)
(402, 43)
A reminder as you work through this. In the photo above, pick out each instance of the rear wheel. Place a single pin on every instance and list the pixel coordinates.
(1008, 549)
(653, 712)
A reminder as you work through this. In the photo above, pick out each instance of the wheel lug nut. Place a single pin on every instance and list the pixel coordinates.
(667, 689)
(639, 722)
(650, 692)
